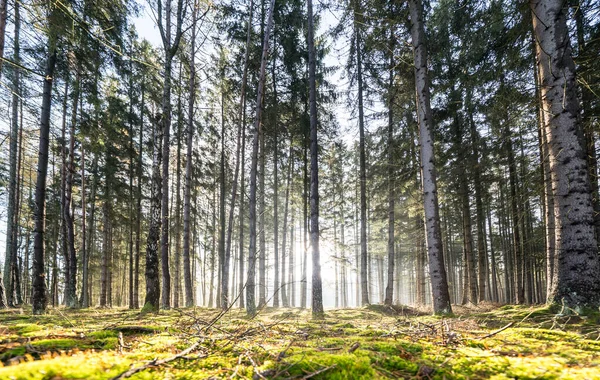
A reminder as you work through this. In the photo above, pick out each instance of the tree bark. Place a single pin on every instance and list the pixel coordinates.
(152, 300)
(439, 285)
(389, 290)
(578, 280)
(71, 281)
(258, 130)
(39, 299)
(284, 287)
(11, 222)
(317, 287)
(364, 281)
(187, 188)
(3, 16)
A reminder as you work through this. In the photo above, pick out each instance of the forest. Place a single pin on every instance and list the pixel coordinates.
(348, 189)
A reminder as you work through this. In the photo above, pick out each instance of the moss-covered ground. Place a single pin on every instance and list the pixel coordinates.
(367, 343)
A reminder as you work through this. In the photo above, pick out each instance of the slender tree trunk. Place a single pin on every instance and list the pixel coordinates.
(11, 223)
(166, 140)
(276, 290)
(578, 269)
(39, 298)
(317, 288)
(238, 159)
(170, 47)
(363, 176)
(262, 250)
(71, 283)
(389, 290)
(439, 285)
(87, 253)
(223, 260)
(152, 300)
(187, 272)
(292, 268)
(284, 287)
(305, 195)
(3, 16)
(250, 284)
(177, 237)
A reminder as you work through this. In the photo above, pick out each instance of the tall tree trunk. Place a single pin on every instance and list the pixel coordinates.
(87, 254)
(39, 298)
(152, 300)
(364, 281)
(3, 16)
(166, 140)
(84, 253)
(480, 212)
(305, 195)
(389, 290)
(11, 222)
(177, 237)
(187, 272)
(578, 270)
(170, 47)
(262, 246)
(437, 271)
(223, 261)
(292, 268)
(71, 281)
(276, 290)
(317, 287)
(240, 136)
(284, 287)
(250, 284)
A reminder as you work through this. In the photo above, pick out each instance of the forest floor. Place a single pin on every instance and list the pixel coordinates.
(365, 343)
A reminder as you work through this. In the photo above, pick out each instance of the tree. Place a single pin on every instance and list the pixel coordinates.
(258, 130)
(317, 287)
(439, 284)
(578, 267)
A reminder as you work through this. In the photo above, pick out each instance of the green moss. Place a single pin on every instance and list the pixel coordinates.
(538, 345)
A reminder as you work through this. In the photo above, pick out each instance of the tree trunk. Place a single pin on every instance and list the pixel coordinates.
(258, 131)
(389, 290)
(317, 288)
(87, 253)
(276, 290)
(578, 269)
(177, 237)
(223, 260)
(39, 299)
(439, 285)
(11, 222)
(71, 281)
(364, 281)
(284, 287)
(241, 131)
(187, 187)
(152, 300)
(3, 16)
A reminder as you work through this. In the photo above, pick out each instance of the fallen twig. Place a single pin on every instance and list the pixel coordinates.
(155, 363)
(496, 332)
(311, 375)
(354, 347)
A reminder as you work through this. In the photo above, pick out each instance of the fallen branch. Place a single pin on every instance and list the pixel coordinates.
(311, 375)
(156, 363)
(354, 347)
(496, 332)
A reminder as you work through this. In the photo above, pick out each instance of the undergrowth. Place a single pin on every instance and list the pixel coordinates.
(367, 343)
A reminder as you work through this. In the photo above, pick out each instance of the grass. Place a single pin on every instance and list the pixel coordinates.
(366, 343)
